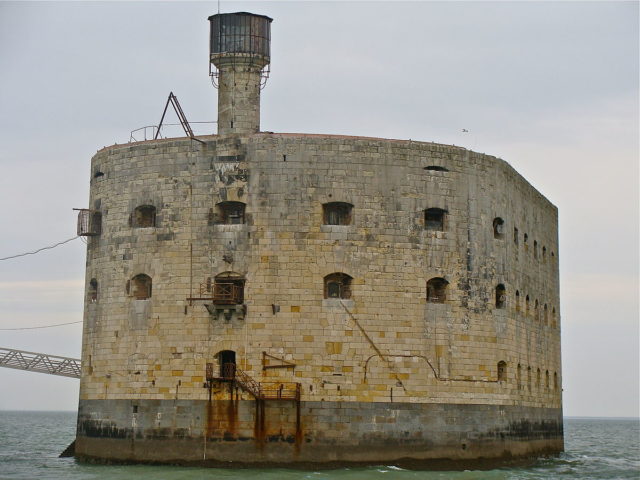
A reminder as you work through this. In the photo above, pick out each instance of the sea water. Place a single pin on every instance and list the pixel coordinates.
(30, 443)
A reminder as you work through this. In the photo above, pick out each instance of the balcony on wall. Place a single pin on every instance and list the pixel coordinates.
(224, 296)
(89, 222)
(228, 293)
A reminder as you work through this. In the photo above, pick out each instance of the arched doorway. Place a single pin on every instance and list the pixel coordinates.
(227, 362)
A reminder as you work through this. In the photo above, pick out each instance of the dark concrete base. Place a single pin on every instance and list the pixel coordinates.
(322, 433)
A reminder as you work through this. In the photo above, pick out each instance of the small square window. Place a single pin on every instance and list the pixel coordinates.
(230, 213)
(337, 213)
(434, 219)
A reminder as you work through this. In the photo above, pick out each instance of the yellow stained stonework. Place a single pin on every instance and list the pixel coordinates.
(396, 336)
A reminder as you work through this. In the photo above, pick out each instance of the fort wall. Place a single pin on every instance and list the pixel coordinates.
(481, 345)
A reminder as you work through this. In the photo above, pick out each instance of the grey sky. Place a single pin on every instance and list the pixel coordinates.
(550, 87)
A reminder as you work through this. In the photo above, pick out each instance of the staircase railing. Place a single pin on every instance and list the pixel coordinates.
(261, 390)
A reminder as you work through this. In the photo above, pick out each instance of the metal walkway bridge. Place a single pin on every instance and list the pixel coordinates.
(40, 362)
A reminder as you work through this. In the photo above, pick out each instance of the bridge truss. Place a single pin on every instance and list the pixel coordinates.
(40, 362)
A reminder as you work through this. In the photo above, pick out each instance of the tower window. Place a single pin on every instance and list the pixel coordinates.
(517, 300)
(516, 239)
(546, 314)
(143, 216)
(519, 377)
(337, 285)
(536, 311)
(336, 213)
(437, 290)
(501, 296)
(230, 213)
(498, 228)
(526, 305)
(526, 241)
(502, 371)
(92, 294)
(546, 379)
(228, 289)
(535, 249)
(544, 254)
(141, 287)
(538, 379)
(434, 219)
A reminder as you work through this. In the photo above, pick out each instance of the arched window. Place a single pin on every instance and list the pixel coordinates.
(434, 219)
(501, 296)
(229, 213)
(546, 379)
(143, 216)
(555, 381)
(525, 239)
(337, 285)
(536, 311)
(529, 378)
(554, 320)
(517, 300)
(538, 379)
(92, 293)
(502, 371)
(546, 314)
(336, 213)
(228, 289)
(535, 249)
(544, 254)
(519, 376)
(437, 290)
(516, 238)
(498, 228)
(140, 287)
(526, 305)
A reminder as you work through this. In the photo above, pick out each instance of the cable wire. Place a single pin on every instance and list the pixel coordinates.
(42, 326)
(39, 250)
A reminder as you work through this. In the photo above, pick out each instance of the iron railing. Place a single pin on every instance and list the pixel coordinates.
(260, 390)
(224, 293)
(227, 293)
(89, 222)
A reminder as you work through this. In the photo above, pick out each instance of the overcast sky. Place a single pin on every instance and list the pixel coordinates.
(552, 88)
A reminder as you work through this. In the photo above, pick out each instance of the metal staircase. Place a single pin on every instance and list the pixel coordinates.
(260, 390)
(263, 391)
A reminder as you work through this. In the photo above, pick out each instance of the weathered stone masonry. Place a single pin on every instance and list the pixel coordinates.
(262, 298)
(386, 343)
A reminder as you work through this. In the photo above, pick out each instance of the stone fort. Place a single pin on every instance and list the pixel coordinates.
(281, 298)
